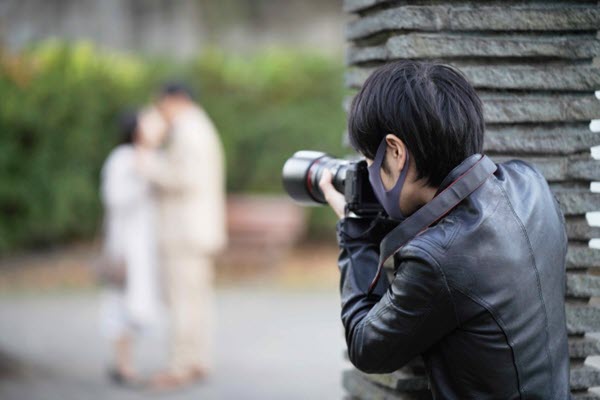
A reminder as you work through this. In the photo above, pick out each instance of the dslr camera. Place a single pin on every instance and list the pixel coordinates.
(303, 171)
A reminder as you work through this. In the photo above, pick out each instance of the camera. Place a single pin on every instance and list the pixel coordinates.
(303, 171)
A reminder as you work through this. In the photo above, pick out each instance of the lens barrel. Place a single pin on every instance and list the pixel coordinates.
(303, 171)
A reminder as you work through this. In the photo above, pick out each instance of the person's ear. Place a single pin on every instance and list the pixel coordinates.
(396, 152)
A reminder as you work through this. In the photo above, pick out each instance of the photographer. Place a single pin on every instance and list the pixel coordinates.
(479, 291)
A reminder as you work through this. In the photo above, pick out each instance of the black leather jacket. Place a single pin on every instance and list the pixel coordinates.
(480, 295)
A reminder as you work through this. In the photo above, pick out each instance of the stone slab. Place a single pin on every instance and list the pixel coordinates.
(534, 77)
(593, 361)
(515, 77)
(583, 186)
(443, 45)
(578, 202)
(402, 380)
(583, 377)
(585, 395)
(514, 46)
(581, 256)
(588, 169)
(475, 18)
(579, 229)
(583, 285)
(540, 139)
(556, 169)
(355, 77)
(513, 108)
(581, 347)
(582, 319)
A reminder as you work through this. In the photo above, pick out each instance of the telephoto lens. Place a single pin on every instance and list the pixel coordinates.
(303, 171)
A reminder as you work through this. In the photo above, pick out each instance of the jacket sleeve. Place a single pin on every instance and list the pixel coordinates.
(399, 320)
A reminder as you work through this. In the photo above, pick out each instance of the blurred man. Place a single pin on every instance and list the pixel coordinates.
(188, 175)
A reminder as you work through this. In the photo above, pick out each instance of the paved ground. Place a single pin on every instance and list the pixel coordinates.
(274, 343)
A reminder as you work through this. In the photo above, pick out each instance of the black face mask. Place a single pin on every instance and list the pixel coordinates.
(390, 200)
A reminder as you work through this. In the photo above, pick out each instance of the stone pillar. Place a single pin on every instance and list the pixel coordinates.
(532, 63)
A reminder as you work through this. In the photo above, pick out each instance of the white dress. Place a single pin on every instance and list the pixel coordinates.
(130, 229)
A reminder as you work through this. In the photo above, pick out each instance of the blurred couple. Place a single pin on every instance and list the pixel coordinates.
(164, 198)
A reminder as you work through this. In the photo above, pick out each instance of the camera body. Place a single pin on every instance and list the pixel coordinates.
(303, 171)
(360, 198)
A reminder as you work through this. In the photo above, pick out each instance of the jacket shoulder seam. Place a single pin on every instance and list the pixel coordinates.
(537, 275)
(442, 246)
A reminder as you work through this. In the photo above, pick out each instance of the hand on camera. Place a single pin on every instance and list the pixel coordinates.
(335, 199)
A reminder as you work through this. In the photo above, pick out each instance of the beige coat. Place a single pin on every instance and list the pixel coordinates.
(189, 176)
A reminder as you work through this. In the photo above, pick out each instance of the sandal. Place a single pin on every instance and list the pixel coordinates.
(171, 381)
(119, 378)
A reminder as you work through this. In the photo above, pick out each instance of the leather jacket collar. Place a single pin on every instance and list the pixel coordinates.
(458, 171)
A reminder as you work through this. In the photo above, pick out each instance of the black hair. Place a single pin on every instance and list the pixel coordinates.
(128, 126)
(431, 107)
(176, 89)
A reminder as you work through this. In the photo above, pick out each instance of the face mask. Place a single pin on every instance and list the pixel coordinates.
(390, 200)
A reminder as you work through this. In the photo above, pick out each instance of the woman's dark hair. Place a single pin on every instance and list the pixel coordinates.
(128, 126)
(176, 89)
(431, 107)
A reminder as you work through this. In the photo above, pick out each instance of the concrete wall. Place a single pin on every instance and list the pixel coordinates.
(533, 66)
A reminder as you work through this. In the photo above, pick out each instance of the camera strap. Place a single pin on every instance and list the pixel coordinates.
(433, 211)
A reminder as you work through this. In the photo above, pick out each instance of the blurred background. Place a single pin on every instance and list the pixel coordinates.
(269, 74)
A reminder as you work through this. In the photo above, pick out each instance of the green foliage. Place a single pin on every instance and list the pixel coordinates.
(268, 106)
(59, 103)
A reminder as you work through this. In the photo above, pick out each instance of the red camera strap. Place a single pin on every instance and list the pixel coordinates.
(433, 211)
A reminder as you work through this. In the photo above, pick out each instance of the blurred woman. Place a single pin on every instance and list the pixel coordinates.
(131, 300)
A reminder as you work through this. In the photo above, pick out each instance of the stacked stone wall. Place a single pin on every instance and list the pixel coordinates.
(532, 62)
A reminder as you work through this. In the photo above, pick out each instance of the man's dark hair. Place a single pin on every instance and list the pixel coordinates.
(176, 89)
(128, 125)
(431, 107)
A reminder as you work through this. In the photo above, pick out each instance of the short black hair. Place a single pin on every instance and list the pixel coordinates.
(431, 107)
(176, 89)
(128, 126)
